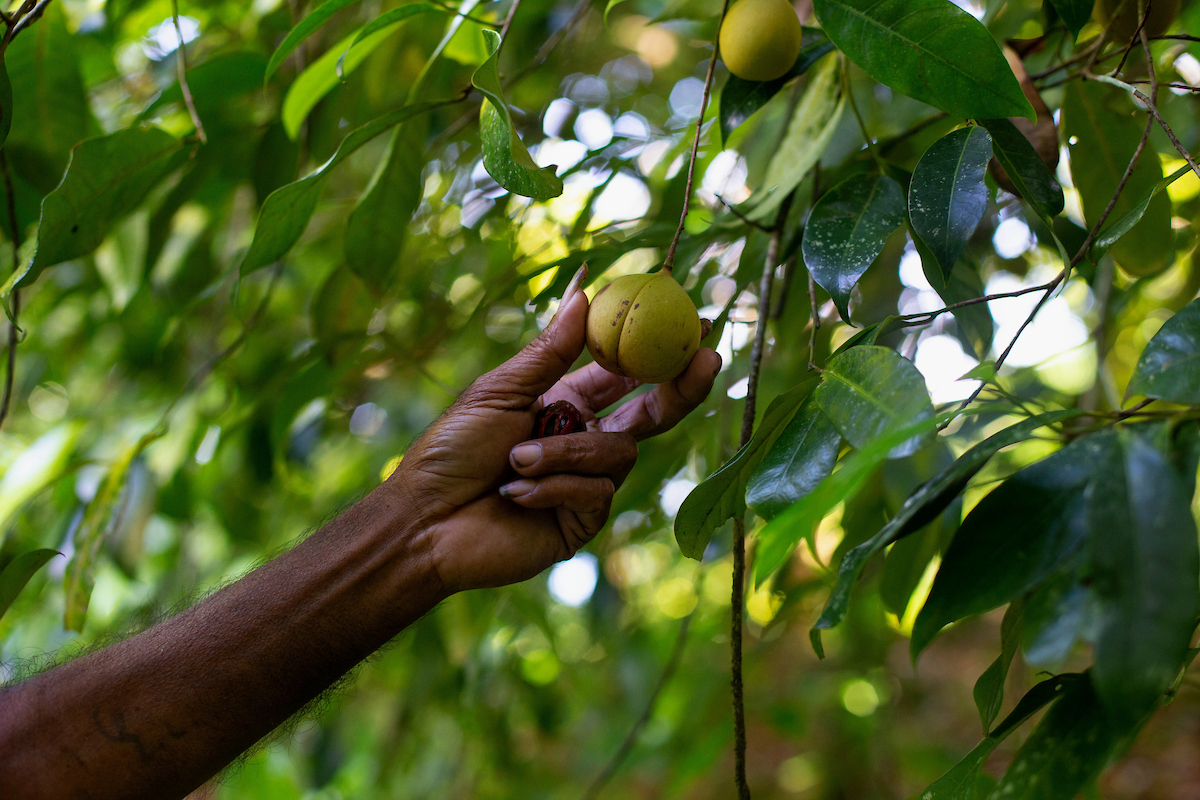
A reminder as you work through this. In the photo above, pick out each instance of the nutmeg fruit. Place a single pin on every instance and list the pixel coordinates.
(760, 39)
(643, 327)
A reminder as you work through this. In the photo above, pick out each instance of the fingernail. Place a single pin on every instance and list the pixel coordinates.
(526, 455)
(516, 489)
(574, 286)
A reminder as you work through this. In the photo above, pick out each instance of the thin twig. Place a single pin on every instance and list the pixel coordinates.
(815, 324)
(13, 331)
(626, 747)
(181, 67)
(669, 261)
(862, 125)
(508, 20)
(1153, 109)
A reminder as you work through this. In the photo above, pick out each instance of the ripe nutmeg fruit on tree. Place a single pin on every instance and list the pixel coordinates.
(643, 327)
(760, 39)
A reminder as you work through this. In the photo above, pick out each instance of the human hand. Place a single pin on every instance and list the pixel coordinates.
(499, 509)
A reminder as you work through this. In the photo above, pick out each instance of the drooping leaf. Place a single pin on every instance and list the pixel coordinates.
(504, 154)
(1024, 167)
(1169, 367)
(1075, 13)
(1144, 558)
(1102, 132)
(847, 230)
(17, 573)
(947, 196)
(802, 457)
(36, 467)
(378, 225)
(305, 28)
(108, 178)
(1016, 537)
(870, 391)
(287, 210)
(811, 127)
(1114, 231)
(723, 494)
(740, 98)
(989, 689)
(930, 50)
(920, 508)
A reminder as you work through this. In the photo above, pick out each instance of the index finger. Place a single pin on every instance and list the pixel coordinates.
(659, 410)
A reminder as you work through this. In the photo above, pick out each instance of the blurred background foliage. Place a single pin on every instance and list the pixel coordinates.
(287, 393)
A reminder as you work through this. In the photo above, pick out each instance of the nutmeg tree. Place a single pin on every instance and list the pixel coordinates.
(947, 251)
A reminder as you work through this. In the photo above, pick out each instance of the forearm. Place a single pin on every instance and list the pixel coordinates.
(158, 714)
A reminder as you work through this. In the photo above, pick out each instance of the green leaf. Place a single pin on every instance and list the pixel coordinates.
(608, 8)
(108, 177)
(1015, 538)
(1054, 615)
(214, 82)
(37, 466)
(18, 572)
(1025, 168)
(1116, 230)
(847, 230)
(6, 104)
(740, 98)
(802, 457)
(390, 21)
(870, 391)
(975, 324)
(287, 210)
(1067, 749)
(296, 36)
(808, 134)
(320, 77)
(1169, 367)
(722, 495)
(930, 50)
(947, 196)
(922, 506)
(989, 689)
(1075, 13)
(97, 520)
(378, 225)
(1105, 132)
(504, 154)
(1144, 559)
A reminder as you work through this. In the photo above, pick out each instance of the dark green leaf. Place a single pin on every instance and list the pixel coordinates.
(18, 572)
(1054, 613)
(1114, 231)
(870, 391)
(976, 328)
(722, 495)
(847, 229)
(1145, 558)
(378, 225)
(108, 177)
(287, 210)
(930, 50)
(1025, 168)
(504, 154)
(989, 689)
(930, 500)
(1015, 538)
(802, 457)
(1169, 368)
(307, 27)
(947, 196)
(740, 98)
(1103, 132)
(6, 104)
(1075, 13)
(215, 81)
(388, 21)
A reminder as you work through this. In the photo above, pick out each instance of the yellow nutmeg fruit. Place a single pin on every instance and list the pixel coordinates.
(760, 39)
(643, 327)
(1160, 15)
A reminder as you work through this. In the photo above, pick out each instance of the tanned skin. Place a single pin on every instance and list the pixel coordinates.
(471, 506)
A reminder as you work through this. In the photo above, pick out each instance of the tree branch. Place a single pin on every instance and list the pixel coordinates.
(13, 331)
(181, 67)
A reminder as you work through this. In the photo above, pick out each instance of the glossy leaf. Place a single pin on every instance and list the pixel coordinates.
(1101, 123)
(107, 178)
(36, 467)
(847, 230)
(17, 573)
(947, 196)
(808, 134)
(740, 98)
(504, 154)
(722, 495)
(304, 29)
(976, 328)
(1025, 168)
(930, 50)
(802, 457)
(1169, 367)
(1054, 615)
(922, 506)
(287, 210)
(389, 21)
(989, 689)
(1075, 13)
(1016, 537)
(1145, 559)
(870, 391)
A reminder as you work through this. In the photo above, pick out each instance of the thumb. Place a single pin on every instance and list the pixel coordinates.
(531, 372)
